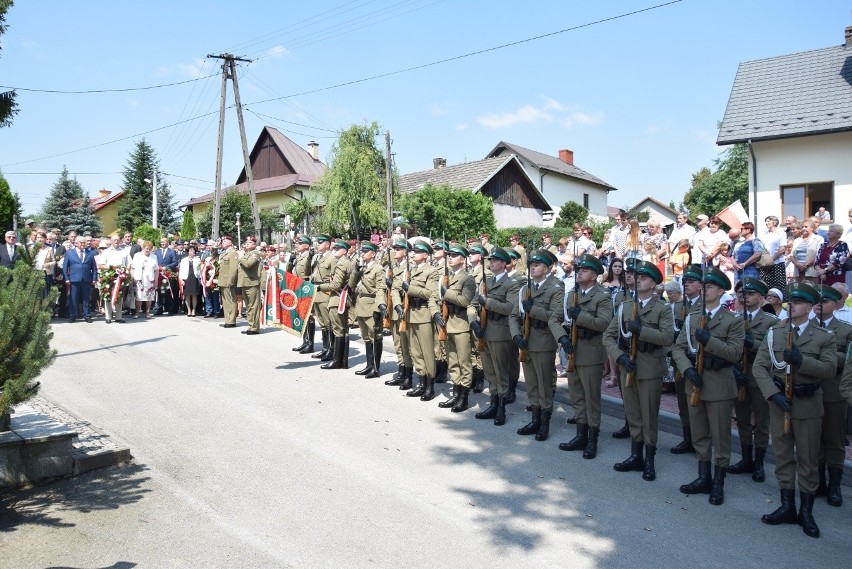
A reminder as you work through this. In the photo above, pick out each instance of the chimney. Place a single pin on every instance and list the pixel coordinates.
(848, 36)
(103, 193)
(313, 150)
(567, 156)
(439, 163)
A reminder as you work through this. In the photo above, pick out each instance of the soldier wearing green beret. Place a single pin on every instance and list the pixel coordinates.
(653, 331)
(540, 304)
(422, 292)
(757, 322)
(302, 269)
(367, 282)
(832, 451)
(719, 335)
(590, 311)
(401, 339)
(322, 268)
(811, 359)
(338, 314)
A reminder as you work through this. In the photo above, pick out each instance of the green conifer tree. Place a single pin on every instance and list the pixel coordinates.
(187, 230)
(136, 206)
(58, 209)
(10, 205)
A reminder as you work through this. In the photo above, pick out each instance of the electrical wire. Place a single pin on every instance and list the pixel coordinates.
(259, 115)
(89, 91)
(285, 129)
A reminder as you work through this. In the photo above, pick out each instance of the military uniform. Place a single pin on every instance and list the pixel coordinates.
(322, 269)
(301, 267)
(368, 283)
(796, 452)
(339, 322)
(422, 306)
(546, 319)
(248, 279)
(401, 339)
(228, 262)
(642, 397)
(680, 311)
(441, 365)
(478, 366)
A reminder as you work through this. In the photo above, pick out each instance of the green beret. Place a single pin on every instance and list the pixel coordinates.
(500, 254)
(402, 244)
(543, 256)
(421, 246)
(630, 264)
(650, 270)
(459, 251)
(341, 244)
(323, 237)
(477, 249)
(803, 291)
(828, 293)
(304, 239)
(692, 272)
(513, 254)
(590, 262)
(755, 285)
(368, 246)
(717, 277)
(440, 245)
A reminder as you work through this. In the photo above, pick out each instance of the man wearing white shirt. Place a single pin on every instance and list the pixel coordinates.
(701, 231)
(113, 257)
(682, 230)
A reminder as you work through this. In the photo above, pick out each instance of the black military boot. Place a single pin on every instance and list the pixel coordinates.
(420, 389)
(806, 515)
(649, 473)
(332, 340)
(822, 489)
(406, 384)
(324, 339)
(398, 377)
(591, 450)
(461, 404)
(533, 426)
(478, 380)
(786, 513)
(544, 428)
(452, 400)
(702, 484)
(368, 365)
(717, 490)
(491, 411)
(511, 395)
(835, 477)
(310, 334)
(441, 368)
(623, 432)
(759, 475)
(500, 417)
(346, 350)
(337, 354)
(304, 343)
(685, 445)
(746, 464)
(580, 440)
(635, 462)
(429, 392)
(377, 360)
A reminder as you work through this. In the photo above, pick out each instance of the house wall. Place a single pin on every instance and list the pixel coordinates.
(513, 216)
(655, 212)
(811, 159)
(266, 200)
(109, 218)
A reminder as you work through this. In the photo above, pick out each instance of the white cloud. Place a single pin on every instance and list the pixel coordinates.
(277, 51)
(527, 114)
(550, 111)
(588, 118)
(195, 69)
(552, 104)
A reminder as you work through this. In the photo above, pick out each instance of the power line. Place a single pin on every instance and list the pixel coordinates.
(290, 122)
(87, 91)
(287, 130)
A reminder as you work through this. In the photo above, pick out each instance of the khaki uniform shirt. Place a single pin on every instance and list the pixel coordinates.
(228, 267)
(657, 335)
(370, 286)
(546, 315)
(592, 321)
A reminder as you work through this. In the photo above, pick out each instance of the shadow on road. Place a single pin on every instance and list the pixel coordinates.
(106, 489)
(137, 343)
(116, 565)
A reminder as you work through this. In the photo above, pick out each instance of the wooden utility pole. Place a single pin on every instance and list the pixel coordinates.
(229, 69)
(389, 177)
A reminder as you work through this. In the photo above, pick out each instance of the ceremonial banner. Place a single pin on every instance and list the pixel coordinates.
(288, 302)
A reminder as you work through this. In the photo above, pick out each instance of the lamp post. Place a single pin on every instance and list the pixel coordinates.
(153, 198)
(239, 240)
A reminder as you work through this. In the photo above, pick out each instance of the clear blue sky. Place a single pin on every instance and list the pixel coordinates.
(637, 99)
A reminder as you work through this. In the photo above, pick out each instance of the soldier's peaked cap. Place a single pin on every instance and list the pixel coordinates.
(341, 244)
(630, 264)
(829, 293)
(693, 272)
(513, 254)
(649, 270)
(803, 291)
(422, 247)
(500, 254)
(402, 244)
(717, 277)
(543, 256)
(304, 239)
(474, 249)
(590, 262)
(368, 246)
(459, 251)
(755, 285)
(323, 237)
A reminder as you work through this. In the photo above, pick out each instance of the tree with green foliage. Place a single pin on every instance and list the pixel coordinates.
(270, 220)
(711, 192)
(444, 210)
(136, 207)
(8, 106)
(148, 232)
(642, 216)
(67, 207)
(570, 213)
(354, 184)
(10, 205)
(25, 342)
(187, 228)
(300, 210)
(233, 201)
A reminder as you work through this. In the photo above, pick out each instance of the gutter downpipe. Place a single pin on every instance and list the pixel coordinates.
(754, 180)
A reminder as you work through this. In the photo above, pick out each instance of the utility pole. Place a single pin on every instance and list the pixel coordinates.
(229, 69)
(389, 177)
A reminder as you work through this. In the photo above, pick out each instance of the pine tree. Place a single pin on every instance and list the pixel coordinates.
(135, 207)
(187, 230)
(10, 205)
(25, 342)
(8, 106)
(57, 210)
(83, 220)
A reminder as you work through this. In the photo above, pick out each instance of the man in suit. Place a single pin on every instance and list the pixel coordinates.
(9, 253)
(721, 340)
(457, 296)
(228, 281)
(248, 279)
(812, 358)
(82, 273)
(166, 259)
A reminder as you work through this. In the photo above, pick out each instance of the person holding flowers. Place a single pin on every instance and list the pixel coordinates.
(113, 279)
(145, 271)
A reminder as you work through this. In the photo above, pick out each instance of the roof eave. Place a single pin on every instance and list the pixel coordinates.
(726, 142)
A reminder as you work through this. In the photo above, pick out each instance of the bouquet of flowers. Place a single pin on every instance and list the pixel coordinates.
(112, 282)
(164, 280)
(106, 278)
(210, 275)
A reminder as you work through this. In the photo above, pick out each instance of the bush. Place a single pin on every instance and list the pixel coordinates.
(149, 233)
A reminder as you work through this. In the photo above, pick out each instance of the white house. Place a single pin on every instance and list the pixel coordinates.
(795, 113)
(657, 211)
(559, 180)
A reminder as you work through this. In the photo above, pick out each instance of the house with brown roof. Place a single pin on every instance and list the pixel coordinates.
(795, 114)
(105, 207)
(657, 211)
(282, 171)
(517, 202)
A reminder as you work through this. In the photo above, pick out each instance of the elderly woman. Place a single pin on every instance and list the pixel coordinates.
(661, 245)
(831, 257)
(804, 252)
(44, 261)
(774, 298)
(746, 253)
(188, 271)
(144, 270)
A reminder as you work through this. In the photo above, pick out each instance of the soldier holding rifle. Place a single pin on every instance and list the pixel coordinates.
(480, 363)
(323, 263)
(338, 313)
(710, 383)
(401, 266)
(368, 283)
(793, 360)
(652, 329)
(691, 302)
(302, 268)
(423, 311)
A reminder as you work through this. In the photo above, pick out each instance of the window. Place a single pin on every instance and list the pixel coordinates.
(803, 200)
(586, 201)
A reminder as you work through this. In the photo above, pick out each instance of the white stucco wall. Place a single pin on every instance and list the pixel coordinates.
(512, 216)
(655, 212)
(805, 160)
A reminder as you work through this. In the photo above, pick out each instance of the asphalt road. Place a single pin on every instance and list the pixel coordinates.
(248, 455)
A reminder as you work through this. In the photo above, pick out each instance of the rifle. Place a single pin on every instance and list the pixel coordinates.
(523, 356)
(445, 282)
(483, 314)
(634, 339)
(683, 316)
(386, 323)
(741, 390)
(575, 300)
(403, 323)
(788, 379)
(695, 398)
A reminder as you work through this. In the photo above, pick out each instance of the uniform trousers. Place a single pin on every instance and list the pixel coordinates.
(339, 322)
(805, 438)
(584, 392)
(540, 377)
(251, 296)
(458, 354)
(401, 344)
(229, 304)
(642, 407)
(496, 359)
(711, 430)
(321, 309)
(422, 337)
(368, 333)
(756, 405)
(682, 402)
(832, 451)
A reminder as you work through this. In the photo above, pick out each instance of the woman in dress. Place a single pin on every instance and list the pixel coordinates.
(44, 261)
(188, 277)
(144, 270)
(746, 253)
(831, 257)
